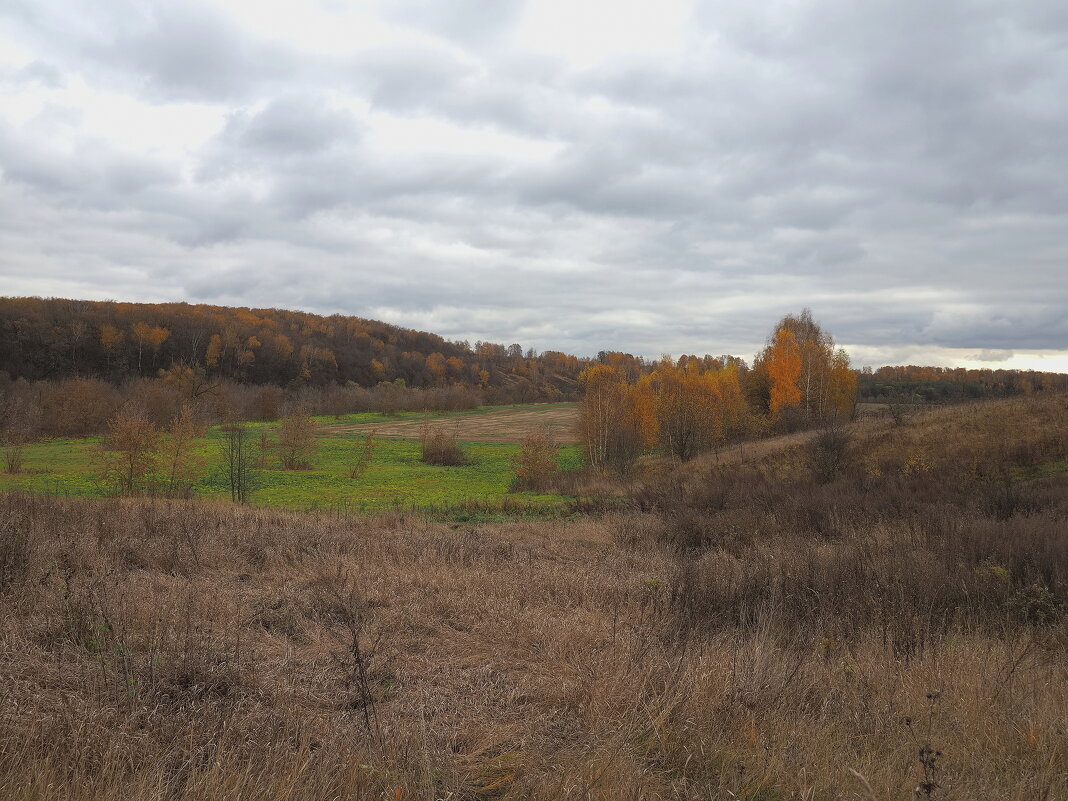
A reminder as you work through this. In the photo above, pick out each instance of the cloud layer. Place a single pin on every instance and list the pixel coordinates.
(571, 175)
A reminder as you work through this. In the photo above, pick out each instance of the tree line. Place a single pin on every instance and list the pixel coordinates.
(953, 384)
(689, 406)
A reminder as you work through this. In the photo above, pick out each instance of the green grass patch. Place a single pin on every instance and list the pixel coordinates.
(395, 479)
(1046, 470)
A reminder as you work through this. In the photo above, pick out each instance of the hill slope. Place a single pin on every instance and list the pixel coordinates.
(57, 338)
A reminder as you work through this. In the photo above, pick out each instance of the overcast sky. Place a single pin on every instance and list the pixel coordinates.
(652, 177)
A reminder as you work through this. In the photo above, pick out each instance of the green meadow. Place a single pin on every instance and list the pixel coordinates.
(395, 479)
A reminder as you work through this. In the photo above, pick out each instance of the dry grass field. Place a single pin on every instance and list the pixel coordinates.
(502, 424)
(892, 629)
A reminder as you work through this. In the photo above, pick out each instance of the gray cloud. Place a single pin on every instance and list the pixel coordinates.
(896, 166)
(188, 52)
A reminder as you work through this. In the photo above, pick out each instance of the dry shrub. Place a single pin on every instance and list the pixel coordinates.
(129, 453)
(191, 651)
(296, 442)
(363, 454)
(439, 447)
(535, 466)
(829, 454)
(14, 456)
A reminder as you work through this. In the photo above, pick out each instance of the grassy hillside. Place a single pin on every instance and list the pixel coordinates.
(766, 629)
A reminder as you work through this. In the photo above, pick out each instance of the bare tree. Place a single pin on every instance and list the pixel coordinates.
(237, 458)
(20, 421)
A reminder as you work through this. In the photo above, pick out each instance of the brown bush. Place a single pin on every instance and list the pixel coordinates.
(535, 466)
(439, 447)
(296, 442)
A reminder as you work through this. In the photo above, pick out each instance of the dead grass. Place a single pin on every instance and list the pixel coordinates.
(157, 649)
(498, 425)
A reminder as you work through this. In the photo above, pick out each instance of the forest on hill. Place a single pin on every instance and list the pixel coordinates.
(68, 366)
(57, 339)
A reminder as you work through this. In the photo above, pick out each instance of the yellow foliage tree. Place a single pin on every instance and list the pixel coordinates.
(609, 427)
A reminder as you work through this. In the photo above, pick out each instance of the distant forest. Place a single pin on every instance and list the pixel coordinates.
(952, 384)
(68, 366)
(56, 339)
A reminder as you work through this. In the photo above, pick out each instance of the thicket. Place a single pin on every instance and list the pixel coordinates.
(910, 383)
(82, 406)
(934, 525)
(536, 465)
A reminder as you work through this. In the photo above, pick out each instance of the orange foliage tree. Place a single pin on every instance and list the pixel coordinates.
(806, 373)
(692, 406)
(784, 367)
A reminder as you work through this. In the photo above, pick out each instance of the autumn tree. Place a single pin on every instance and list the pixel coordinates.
(784, 367)
(842, 388)
(213, 355)
(692, 406)
(806, 373)
(149, 335)
(191, 382)
(536, 463)
(19, 423)
(111, 339)
(129, 452)
(682, 406)
(609, 424)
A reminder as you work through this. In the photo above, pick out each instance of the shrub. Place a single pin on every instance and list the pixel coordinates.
(439, 447)
(1036, 604)
(535, 465)
(362, 455)
(13, 456)
(829, 454)
(296, 442)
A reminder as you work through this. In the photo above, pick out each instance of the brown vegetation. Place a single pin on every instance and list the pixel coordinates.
(296, 442)
(181, 464)
(505, 424)
(128, 455)
(438, 446)
(58, 338)
(363, 453)
(692, 406)
(80, 407)
(536, 464)
(771, 630)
